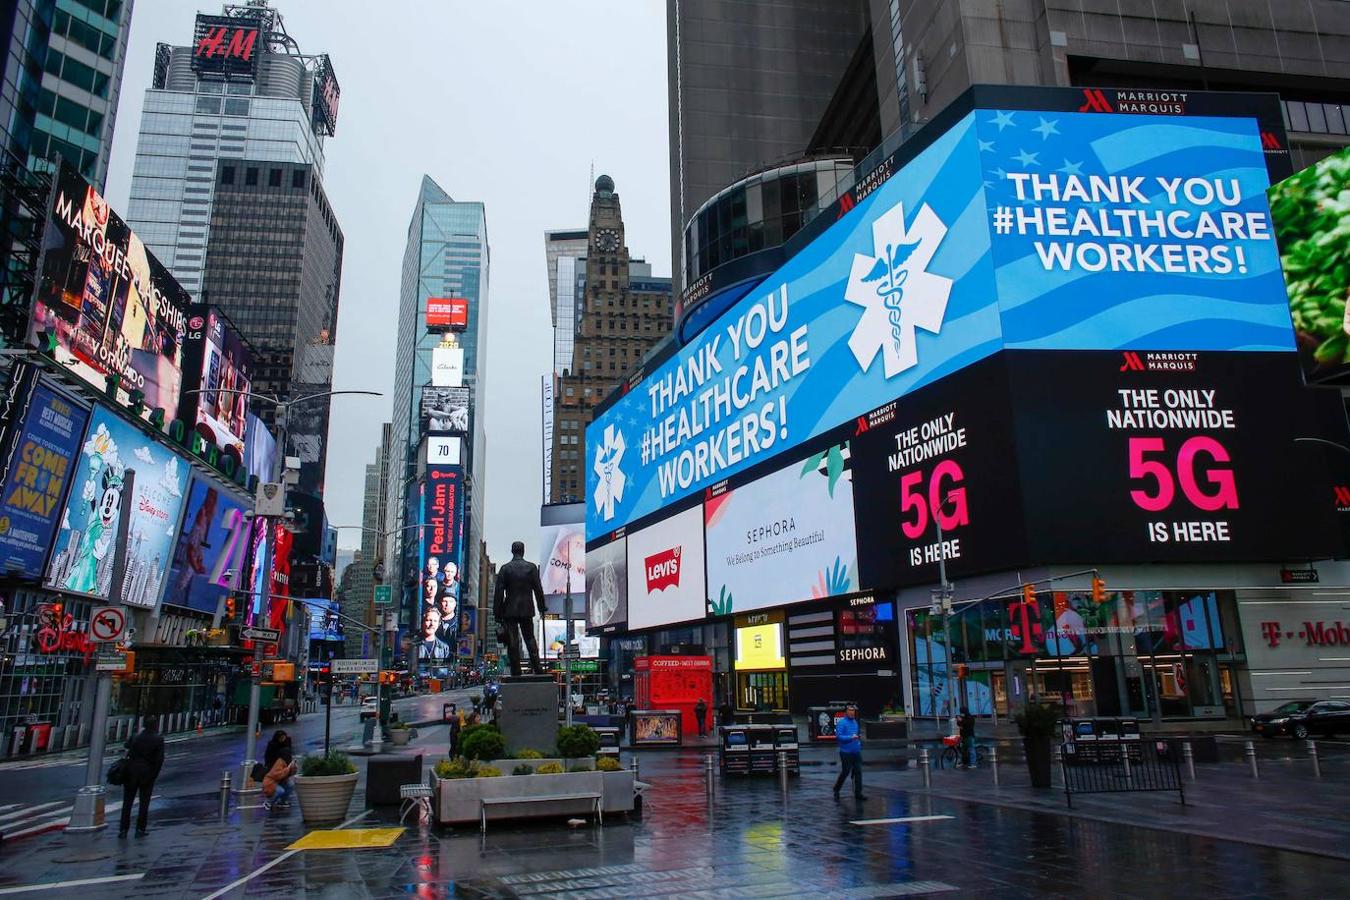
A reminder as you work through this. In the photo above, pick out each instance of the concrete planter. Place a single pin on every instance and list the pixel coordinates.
(399, 737)
(457, 799)
(506, 765)
(325, 798)
(619, 791)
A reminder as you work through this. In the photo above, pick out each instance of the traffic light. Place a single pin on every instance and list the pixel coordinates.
(229, 607)
(1029, 593)
(962, 670)
(1098, 590)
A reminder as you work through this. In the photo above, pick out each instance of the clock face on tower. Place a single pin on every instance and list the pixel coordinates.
(607, 239)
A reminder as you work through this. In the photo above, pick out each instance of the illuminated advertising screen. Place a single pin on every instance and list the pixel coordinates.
(1149, 233)
(324, 624)
(280, 583)
(212, 549)
(218, 370)
(87, 544)
(1195, 461)
(41, 457)
(607, 584)
(760, 647)
(444, 451)
(785, 537)
(941, 458)
(1311, 226)
(666, 571)
(866, 634)
(447, 313)
(563, 549)
(445, 409)
(441, 555)
(108, 304)
(259, 569)
(447, 366)
(227, 46)
(555, 638)
(260, 450)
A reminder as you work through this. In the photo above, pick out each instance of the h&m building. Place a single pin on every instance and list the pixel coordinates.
(1045, 342)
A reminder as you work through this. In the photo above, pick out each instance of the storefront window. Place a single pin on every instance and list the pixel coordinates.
(1150, 654)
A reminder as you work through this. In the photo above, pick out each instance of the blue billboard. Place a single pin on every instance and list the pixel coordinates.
(212, 549)
(37, 474)
(87, 545)
(1014, 229)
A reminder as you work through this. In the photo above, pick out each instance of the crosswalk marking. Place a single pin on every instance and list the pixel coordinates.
(43, 817)
(899, 820)
(32, 810)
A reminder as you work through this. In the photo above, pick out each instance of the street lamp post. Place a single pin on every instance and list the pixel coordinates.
(945, 589)
(255, 689)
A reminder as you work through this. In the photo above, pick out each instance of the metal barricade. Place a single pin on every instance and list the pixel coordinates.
(1124, 763)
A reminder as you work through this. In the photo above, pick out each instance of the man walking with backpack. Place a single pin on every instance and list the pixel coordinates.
(144, 760)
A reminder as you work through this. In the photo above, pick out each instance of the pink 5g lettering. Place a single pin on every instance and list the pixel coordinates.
(1204, 484)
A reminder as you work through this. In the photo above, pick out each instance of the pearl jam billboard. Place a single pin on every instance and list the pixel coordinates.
(104, 305)
(442, 546)
(1022, 228)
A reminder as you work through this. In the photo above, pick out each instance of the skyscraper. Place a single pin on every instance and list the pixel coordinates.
(61, 70)
(446, 258)
(562, 251)
(359, 580)
(227, 190)
(622, 312)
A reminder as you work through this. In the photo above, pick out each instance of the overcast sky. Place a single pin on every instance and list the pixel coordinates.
(509, 102)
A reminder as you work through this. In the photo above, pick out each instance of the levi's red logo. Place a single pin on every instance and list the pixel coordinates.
(663, 569)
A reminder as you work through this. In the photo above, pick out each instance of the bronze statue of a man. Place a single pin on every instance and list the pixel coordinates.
(518, 592)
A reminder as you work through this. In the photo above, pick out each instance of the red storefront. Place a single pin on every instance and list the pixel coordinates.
(674, 682)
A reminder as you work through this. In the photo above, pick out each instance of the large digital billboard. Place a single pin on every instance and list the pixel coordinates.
(666, 571)
(212, 549)
(607, 584)
(326, 97)
(1179, 457)
(785, 537)
(1312, 226)
(87, 544)
(445, 410)
(441, 556)
(1014, 228)
(228, 46)
(447, 313)
(41, 446)
(109, 305)
(218, 375)
(563, 553)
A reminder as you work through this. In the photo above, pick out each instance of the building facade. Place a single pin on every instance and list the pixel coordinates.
(446, 257)
(622, 312)
(359, 581)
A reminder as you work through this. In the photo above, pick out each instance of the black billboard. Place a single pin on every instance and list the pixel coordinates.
(324, 102)
(941, 455)
(1169, 457)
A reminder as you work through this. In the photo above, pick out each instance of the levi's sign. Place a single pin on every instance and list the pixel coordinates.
(663, 570)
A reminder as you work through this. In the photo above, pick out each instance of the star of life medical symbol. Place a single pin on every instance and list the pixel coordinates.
(609, 489)
(895, 290)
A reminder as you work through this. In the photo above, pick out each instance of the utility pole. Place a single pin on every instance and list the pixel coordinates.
(567, 645)
(945, 603)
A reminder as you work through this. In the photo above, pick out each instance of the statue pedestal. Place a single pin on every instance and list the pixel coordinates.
(528, 713)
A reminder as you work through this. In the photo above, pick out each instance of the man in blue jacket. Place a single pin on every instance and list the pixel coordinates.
(848, 735)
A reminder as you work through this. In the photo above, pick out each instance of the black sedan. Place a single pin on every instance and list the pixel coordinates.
(1302, 718)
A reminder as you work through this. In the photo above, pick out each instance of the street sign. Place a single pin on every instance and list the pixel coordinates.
(571, 653)
(266, 635)
(384, 595)
(354, 666)
(110, 662)
(107, 623)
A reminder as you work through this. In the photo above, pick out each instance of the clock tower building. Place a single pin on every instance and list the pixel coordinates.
(623, 311)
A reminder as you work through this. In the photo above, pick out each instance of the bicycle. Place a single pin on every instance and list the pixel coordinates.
(952, 757)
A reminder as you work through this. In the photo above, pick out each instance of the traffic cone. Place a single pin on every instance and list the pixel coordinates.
(257, 730)
(199, 727)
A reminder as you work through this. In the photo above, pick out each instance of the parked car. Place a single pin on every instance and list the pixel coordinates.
(1276, 722)
(1324, 717)
(370, 707)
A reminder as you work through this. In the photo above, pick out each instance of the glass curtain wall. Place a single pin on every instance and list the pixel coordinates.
(1151, 654)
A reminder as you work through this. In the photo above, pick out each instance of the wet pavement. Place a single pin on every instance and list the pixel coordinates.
(965, 837)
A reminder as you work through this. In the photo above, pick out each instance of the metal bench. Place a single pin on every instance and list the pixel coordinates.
(597, 807)
(415, 796)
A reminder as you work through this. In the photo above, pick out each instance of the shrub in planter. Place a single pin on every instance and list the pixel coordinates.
(320, 765)
(527, 753)
(482, 742)
(522, 769)
(577, 741)
(549, 769)
(1038, 725)
(608, 764)
(456, 768)
(488, 772)
(580, 767)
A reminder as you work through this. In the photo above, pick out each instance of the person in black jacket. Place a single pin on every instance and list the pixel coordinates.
(279, 747)
(517, 585)
(145, 759)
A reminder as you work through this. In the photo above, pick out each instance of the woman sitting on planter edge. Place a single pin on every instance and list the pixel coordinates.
(279, 759)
